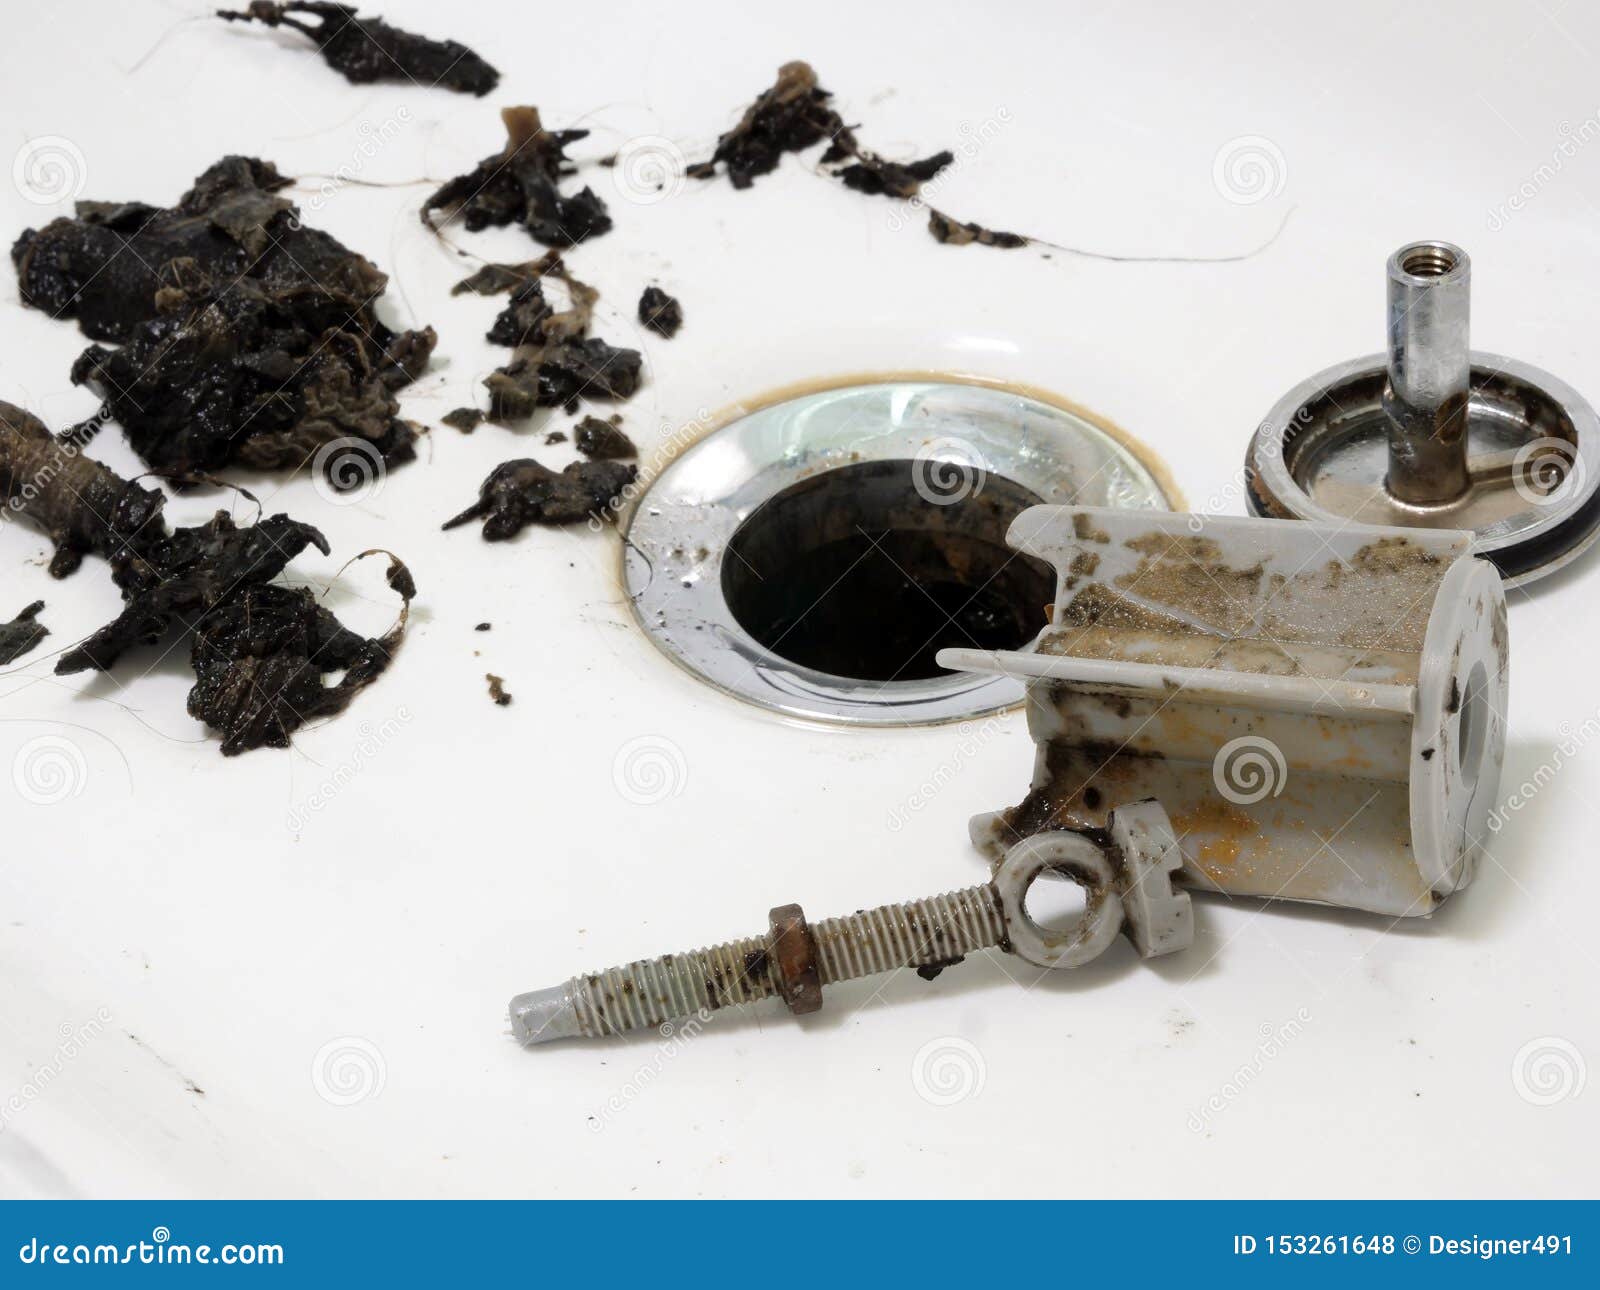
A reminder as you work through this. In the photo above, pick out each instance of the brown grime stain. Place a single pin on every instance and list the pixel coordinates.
(1085, 530)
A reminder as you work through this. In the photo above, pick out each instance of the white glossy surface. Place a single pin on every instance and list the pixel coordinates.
(480, 850)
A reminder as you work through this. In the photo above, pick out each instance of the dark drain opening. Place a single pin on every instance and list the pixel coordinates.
(858, 574)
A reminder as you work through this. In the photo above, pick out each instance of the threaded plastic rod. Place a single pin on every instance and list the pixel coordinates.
(650, 992)
(918, 933)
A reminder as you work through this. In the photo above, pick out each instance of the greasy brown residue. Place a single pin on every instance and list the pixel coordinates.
(1498, 637)
(1393, 555)
(1119, 705)
(497, 689)
(1100, 623)
(1395, 569)
(1085, 530)
(1190, 573)
(1184, 605)
(1073, 794)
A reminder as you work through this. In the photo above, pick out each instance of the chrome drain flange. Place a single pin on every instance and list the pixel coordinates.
(814, 554)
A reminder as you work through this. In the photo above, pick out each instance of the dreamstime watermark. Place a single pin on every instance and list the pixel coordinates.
(373, 740)
(948, 470)
(1274, 1039)
(1547, 471)
(348, 1070)
(973, 140)
(348, 470)
(948, 1070)
(160, 1250)
(1267, 443)
(971, 741)
(675, 1037)
(649, 769)
(1548, 1070)
(1249, 769)
(22, 494)
(1249, 168)
(1227, 500)
(1567, 147)
(49, 169)
(674, 441)
(371, 140)
(73, 1040)
(649, 169)
(48, 770)
(1573, 741)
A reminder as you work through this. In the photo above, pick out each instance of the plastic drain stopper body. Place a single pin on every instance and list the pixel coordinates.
(1320, 709)
(1302, 711)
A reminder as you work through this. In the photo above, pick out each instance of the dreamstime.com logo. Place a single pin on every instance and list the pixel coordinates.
(160, 1250)
(1267, 442)
(970, 742)
(21, 493)
(373, 740)
(1571, 140)
(1249, 769)
(1573, 742)
(675, 1037)
(73, 1039)
(371, 139)
(673, 442)
(1273, 1040)
(972, 139)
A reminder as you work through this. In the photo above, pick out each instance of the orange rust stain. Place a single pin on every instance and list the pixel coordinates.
(1220, 853)
(1220, 828)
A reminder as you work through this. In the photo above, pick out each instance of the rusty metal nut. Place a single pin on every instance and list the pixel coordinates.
(793, 952)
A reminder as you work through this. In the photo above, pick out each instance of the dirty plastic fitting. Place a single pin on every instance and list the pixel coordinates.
(1321, 709)
(1299, 712)
(1126, 873)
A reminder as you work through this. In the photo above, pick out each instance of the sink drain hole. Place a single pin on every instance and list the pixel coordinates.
(856, 573)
